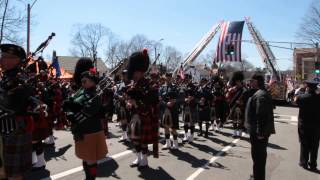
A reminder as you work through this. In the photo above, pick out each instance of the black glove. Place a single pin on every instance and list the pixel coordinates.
(8, 123)
(80, 117)
(71, 106)
(70, 117)
(76, 131)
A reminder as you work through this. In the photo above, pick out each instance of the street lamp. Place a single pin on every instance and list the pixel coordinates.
(28, 24)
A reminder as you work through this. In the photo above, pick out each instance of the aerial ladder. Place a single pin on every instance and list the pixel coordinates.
(277, 87)
(200, 46)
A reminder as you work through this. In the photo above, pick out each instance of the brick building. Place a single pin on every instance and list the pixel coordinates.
(304, 62)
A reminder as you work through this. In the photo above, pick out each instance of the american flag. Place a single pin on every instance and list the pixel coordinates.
(229, 45)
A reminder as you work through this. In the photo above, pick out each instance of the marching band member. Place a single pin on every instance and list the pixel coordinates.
(16, 123)
(122, 112)
(205, 98)
(84, 112)
(170, 109)
(236, 106)
(142, 103)
(189, 115)
(220, 104)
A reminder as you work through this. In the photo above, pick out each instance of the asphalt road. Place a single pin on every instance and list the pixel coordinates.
(218, 157)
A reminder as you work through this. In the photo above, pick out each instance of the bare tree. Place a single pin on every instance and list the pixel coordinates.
(309, 30)
(12, 23)
(111, 51)
(171, 57)
(87, 39)
(117, 50)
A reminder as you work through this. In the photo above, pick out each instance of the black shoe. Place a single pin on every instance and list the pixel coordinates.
(134, 165)
(251, 177)
(304, 166)
(234, 136)
(313, 167)
(38, 168)
(143, 167)
(200, 134)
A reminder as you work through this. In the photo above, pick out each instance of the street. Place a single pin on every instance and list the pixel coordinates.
(218, 157)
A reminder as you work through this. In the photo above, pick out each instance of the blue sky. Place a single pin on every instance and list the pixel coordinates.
(181, 23)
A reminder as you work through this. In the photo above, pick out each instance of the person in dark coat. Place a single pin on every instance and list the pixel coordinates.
(309, 126)
(259, 122)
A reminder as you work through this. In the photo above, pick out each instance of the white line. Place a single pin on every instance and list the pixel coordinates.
(77, 169)
(80, 168)
(294, 118)
(115, 156)
(290, 123)
(212, 160)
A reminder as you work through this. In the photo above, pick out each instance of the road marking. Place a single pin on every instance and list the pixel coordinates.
(212, 160)
(294, 118)
(124, 153)
(286, 122)
(80, 168)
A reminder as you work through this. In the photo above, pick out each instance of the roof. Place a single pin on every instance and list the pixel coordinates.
(69, 63)
(305, 50)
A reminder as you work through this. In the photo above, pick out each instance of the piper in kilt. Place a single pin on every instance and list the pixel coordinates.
(84, 110)
(143, 103)
(190, 115)
(40, 116)
(205, 98)
(236, 105)
(122, 112)
(14, 102)
(170, 111)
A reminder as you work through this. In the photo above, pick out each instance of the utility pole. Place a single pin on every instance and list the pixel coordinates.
(29, 24)
(28, 28)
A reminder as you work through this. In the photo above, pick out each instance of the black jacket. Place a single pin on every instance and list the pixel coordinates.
(259, 119)
(309, 115)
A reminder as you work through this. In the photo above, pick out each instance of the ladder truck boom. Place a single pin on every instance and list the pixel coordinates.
(264, 50)
(200, 46)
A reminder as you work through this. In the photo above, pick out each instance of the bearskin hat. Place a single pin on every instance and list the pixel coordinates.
(138, 61)
(83, 64)
(15, 50)
(236, 76)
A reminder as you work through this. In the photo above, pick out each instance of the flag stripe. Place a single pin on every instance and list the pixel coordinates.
(223, 42)
(230, 39)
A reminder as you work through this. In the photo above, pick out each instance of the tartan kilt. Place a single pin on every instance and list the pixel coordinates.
(41, 130)
(17, 154)
(149, 127)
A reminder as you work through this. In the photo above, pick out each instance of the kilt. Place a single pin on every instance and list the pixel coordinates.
(2, 172)
(17, 154)
(92, 147)
(173, 116)
(190, 116)
(149, 126)
(204, 114)
(41, 130)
